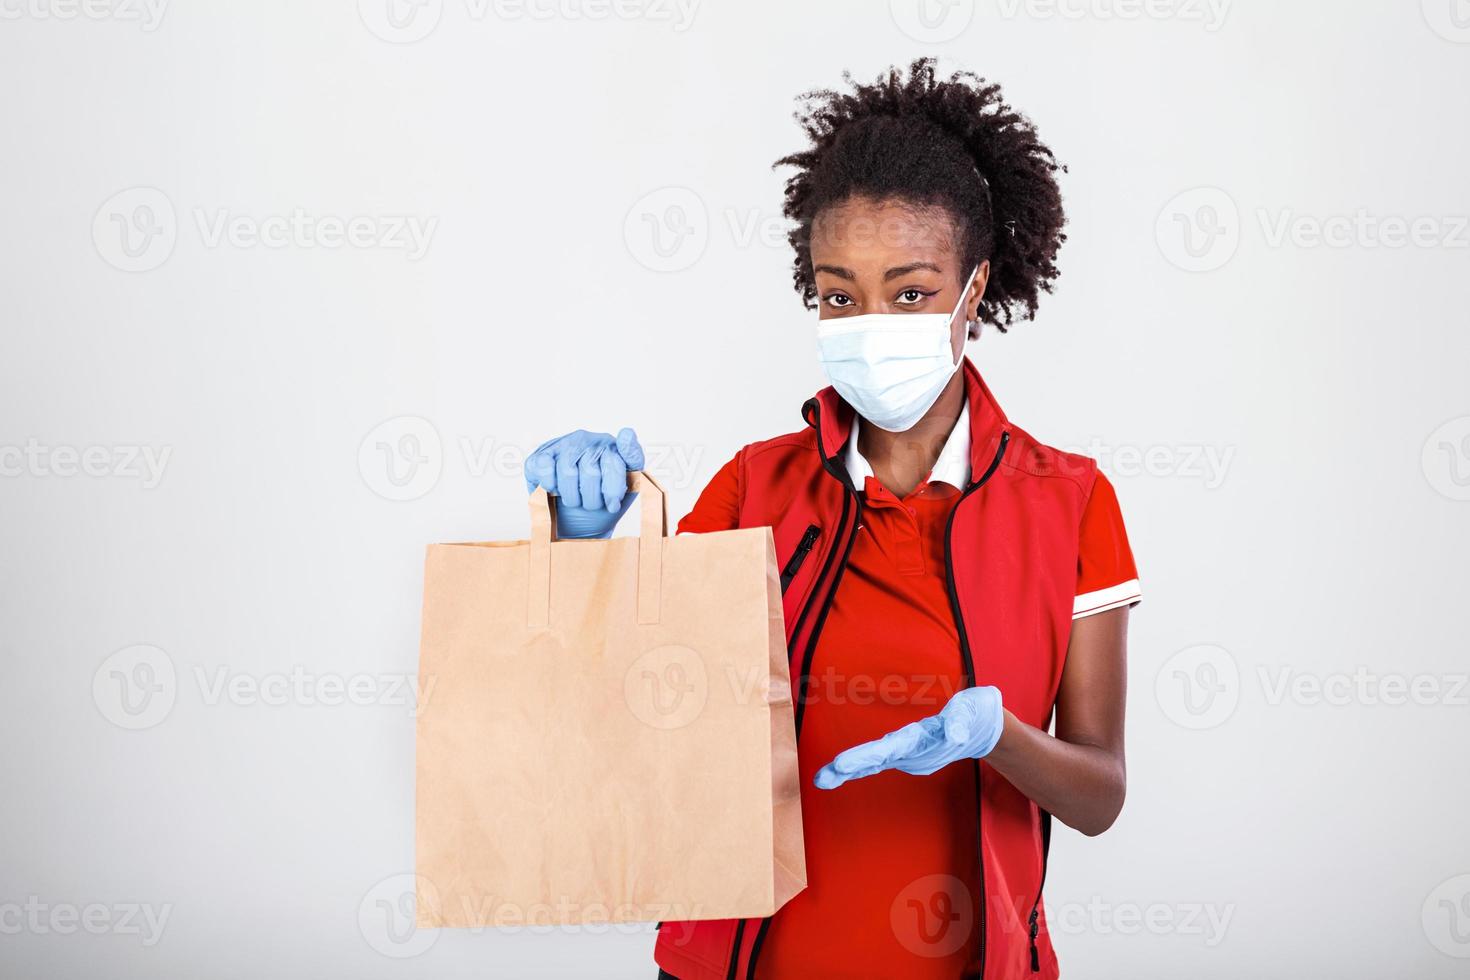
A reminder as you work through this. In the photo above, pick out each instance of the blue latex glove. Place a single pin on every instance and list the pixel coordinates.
(967, 728)
(588, 473)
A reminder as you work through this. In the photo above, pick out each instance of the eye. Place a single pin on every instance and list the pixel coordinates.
(838, 301)
(912, 297)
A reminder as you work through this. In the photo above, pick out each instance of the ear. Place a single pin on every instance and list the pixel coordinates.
(977, 293)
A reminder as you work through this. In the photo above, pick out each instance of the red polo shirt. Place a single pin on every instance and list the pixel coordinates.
(891, 859)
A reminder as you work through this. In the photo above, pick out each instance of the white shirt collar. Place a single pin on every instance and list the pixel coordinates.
(952, 466)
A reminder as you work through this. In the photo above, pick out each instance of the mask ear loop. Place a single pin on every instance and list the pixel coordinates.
(972, 327)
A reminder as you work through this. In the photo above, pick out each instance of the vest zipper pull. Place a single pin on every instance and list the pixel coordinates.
(1035, 954)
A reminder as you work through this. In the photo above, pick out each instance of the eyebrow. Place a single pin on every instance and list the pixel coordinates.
(894, 273)
(904, 270)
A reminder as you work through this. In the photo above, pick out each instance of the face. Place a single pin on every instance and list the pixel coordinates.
(890, 257)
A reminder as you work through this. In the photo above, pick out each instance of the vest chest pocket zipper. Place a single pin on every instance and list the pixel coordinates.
(803, 548)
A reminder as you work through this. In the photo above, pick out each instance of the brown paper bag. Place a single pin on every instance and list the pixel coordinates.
(610, 736)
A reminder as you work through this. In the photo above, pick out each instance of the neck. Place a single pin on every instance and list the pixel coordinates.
(901, 460)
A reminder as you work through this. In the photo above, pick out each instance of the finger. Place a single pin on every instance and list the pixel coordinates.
(614, 481)
(972, 720)
(829, 778)
(589, 480)
(630, 448)
(541, 470)
(567, 476)
(907, 740)
(961, 728)
(893, 750)
(930, 758)
(873, 755)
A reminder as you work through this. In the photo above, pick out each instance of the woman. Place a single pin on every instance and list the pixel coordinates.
(951, 585)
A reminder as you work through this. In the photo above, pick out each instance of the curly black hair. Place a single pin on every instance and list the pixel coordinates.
(956, 144)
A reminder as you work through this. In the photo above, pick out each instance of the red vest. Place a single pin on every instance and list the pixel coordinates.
(1011, 562)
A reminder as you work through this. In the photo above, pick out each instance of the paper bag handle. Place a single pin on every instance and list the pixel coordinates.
(654, 527)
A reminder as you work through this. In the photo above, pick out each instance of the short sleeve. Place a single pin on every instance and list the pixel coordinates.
(1106, 576)
(718, 506)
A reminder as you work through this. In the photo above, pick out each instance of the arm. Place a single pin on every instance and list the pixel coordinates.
(718, 507)
(1078, 775)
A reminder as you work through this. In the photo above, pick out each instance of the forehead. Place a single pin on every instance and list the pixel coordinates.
(881, 234)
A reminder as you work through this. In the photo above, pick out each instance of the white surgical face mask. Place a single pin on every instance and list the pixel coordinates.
(891, 367)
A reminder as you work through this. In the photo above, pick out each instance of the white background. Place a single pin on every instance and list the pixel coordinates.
(1286, 421)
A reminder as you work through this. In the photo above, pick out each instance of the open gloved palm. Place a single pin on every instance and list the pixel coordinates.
(968, 727)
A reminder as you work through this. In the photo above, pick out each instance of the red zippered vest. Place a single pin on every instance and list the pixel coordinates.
(1011, 564)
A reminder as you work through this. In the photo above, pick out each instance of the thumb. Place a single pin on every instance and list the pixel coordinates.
(959, 727)
(973, 720)
(630, 449)
(962, 715)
